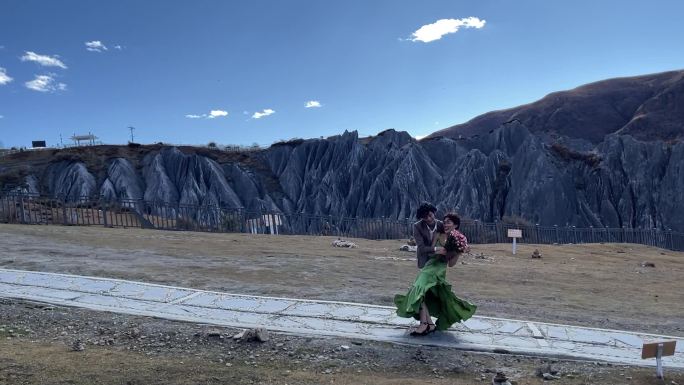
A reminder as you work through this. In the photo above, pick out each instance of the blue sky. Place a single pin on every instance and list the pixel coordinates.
(362, 61)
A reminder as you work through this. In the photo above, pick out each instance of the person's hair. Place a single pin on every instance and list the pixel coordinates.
(454, 218)
(424, 209)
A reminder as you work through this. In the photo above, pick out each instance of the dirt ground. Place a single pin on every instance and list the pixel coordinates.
(36, 343)
(589, 285)
(599, 285)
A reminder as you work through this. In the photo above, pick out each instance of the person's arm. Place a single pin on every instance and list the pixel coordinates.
(421, 247)
(437, 245)
(454, 259)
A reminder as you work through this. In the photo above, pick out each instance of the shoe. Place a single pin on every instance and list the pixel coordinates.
(431, 329)
(416, 333)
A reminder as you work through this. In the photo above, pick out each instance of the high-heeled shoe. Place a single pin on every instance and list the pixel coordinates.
(416, 333)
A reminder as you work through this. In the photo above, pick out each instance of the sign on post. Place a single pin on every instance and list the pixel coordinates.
(515, 234)
(658, 350)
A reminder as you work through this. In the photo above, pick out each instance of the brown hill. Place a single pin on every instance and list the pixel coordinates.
(648, 107)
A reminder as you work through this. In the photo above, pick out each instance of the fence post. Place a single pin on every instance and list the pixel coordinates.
(64, 214)
(21, 208)
(557, 235)
(103, 207)
(496, 231)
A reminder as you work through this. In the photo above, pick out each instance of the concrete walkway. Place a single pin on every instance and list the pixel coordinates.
(324, 318)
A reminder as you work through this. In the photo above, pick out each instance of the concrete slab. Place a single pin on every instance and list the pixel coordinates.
(327, 318)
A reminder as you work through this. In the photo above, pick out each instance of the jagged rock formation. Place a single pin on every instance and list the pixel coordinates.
(69, 180)
(171, 176)
(121, 182)
(512, 171)
(622, 182)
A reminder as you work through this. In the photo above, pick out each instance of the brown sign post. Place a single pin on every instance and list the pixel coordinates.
(657, 350)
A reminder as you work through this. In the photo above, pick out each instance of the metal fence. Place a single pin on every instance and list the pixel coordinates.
(31, 209)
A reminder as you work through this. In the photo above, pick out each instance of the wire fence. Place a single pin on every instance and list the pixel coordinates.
(39, 210)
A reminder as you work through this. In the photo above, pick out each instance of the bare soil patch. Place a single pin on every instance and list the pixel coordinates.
(599, 285)
(36, 349)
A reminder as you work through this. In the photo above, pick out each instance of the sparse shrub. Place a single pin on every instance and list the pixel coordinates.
(8, 213)
(212, 145)
(68, 157)
(289, 142)
(504, 166)
(14, 177)
(183, 223)
(207, 153)
(515, 220)
(133, 145)
(567, 154)
(230, 224)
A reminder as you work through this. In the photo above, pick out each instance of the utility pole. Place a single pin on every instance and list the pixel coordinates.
(131, 128)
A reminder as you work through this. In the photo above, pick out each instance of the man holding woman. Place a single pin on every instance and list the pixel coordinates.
(439, 245)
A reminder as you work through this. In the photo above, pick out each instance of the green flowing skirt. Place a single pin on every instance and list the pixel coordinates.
(432, 288)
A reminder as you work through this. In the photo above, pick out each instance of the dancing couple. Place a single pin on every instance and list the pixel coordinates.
(439, 245)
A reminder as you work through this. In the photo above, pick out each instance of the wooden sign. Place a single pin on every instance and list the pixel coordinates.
(514, 233)
(650, 350)
(658, 350)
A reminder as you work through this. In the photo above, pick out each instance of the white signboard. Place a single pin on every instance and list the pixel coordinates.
(514, 233)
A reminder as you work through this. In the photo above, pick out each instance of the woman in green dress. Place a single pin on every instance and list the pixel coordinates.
(431, 295)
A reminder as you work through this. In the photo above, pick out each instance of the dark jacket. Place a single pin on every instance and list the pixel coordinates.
(423, 238)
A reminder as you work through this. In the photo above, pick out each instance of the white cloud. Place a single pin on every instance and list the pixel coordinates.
(44, 60)
(118, 47)
(217, 113)
(45, 83)
(211, 115)
(312, 104)
(4, 78)
(435, 31)
(419, 137)
(95, 46)
(266, 112)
